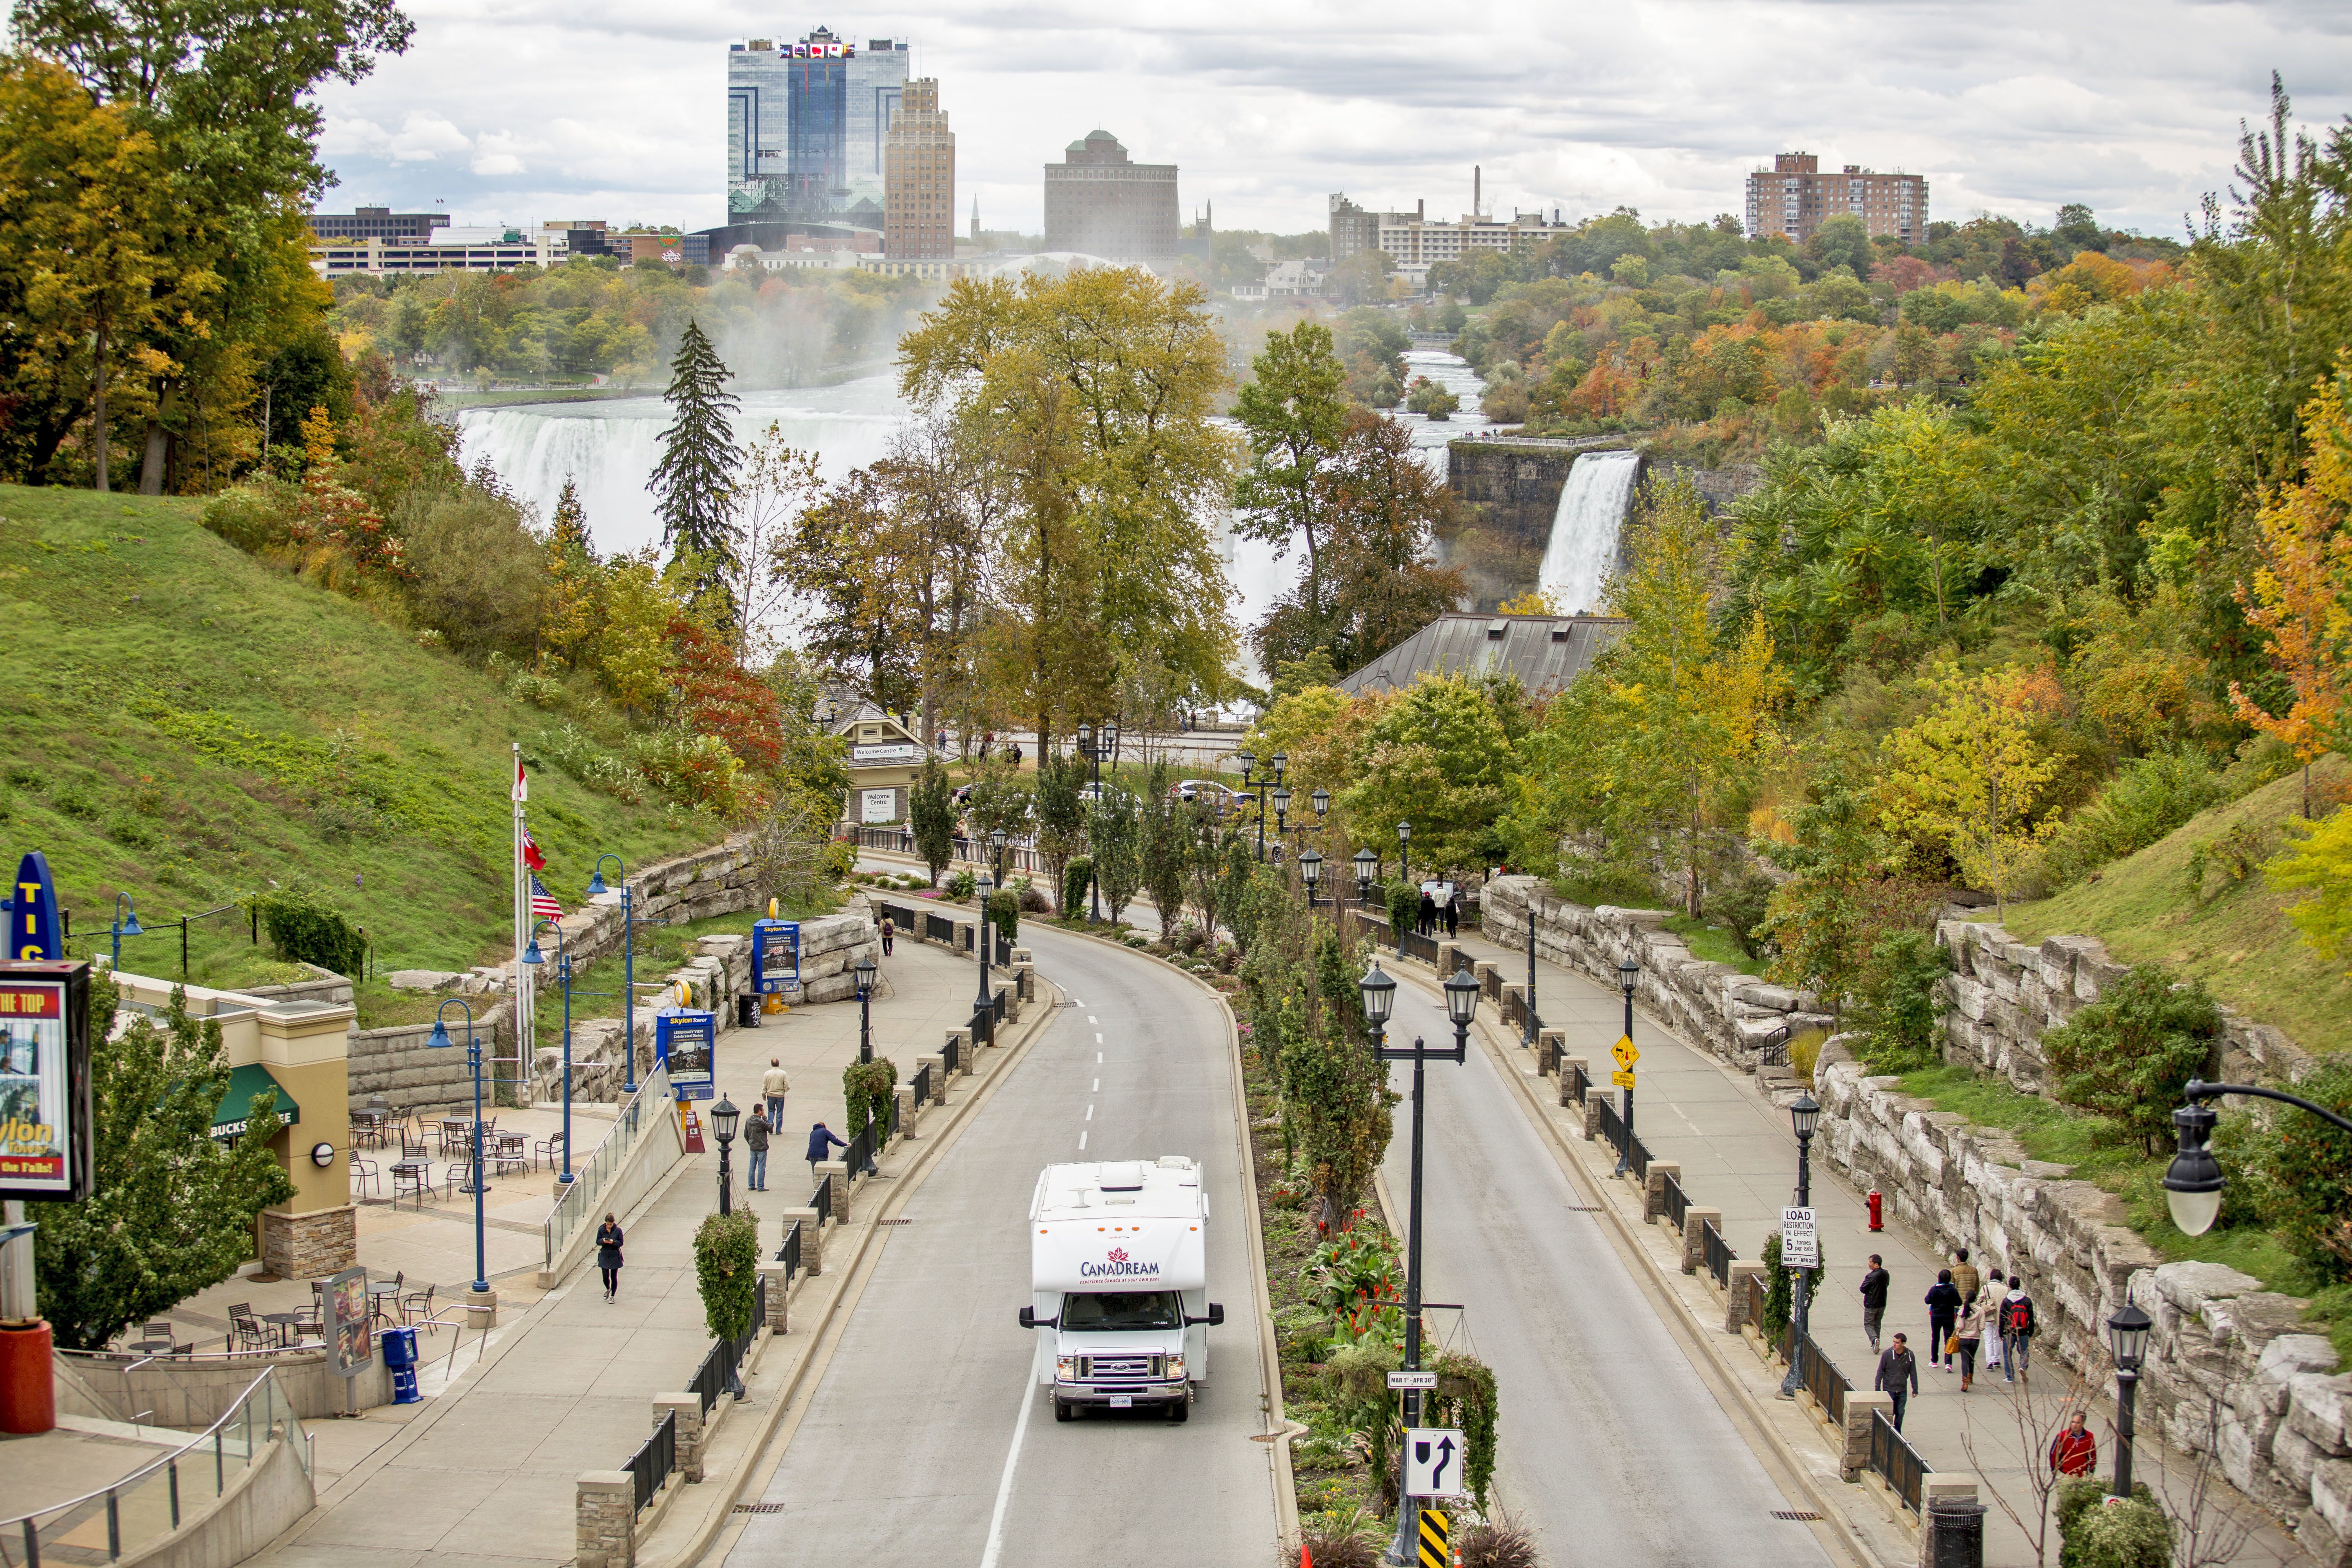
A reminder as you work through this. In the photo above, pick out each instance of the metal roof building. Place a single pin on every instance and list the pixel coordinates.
(1546, 652)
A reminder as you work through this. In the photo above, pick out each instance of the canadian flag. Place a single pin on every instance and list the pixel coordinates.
(521, 783)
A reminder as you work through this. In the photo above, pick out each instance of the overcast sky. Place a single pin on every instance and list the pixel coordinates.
(523, 111)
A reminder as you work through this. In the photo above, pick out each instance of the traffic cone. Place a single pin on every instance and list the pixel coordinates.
(1306, 1558)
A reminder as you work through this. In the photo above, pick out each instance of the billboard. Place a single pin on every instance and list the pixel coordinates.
(687, 1042)
(351, 1344)
(44, 1092)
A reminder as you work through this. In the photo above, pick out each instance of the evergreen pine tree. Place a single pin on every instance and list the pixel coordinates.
(694, 484)
(570, 529)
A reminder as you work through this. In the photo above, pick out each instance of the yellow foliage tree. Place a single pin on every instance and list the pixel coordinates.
(1970, 772)
(633, 651)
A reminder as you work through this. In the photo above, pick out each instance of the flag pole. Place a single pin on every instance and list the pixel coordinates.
(522, 996)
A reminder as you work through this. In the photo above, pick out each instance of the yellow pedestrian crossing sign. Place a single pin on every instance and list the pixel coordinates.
(1433, 1553)
(1624, 1052)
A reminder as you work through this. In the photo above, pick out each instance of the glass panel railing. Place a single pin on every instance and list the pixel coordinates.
(589, 1179)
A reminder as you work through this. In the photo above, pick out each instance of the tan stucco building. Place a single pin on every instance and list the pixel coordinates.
(885, 758)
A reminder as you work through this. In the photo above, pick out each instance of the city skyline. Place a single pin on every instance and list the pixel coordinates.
(1665, 107)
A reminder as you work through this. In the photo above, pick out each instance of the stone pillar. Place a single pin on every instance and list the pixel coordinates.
(1489, 978)
(687, 1409)
(481, 1309)
(963, 1038)
(1515, 1004)
(778, 1289)
(1595, 1097)
(1653, 1189)
(1853, 1455)
(1735, 1310)
(1012, 995)
(605, 1519)
(1550, 1042)
(1449, 959)
(1695, 1222)
(1568, 1080)
(837, 1173)
(812, 1239)
(1948, 1505)
(906, 1092)
(938, 1066)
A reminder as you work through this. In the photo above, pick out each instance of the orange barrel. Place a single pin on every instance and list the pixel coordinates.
(29, 1389)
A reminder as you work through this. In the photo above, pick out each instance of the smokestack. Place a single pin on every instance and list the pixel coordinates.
(1476, 179)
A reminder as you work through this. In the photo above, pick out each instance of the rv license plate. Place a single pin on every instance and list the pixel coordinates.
(1122, 1401)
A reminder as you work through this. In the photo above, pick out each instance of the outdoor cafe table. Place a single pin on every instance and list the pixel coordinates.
(284, 1322)
(381, 1291)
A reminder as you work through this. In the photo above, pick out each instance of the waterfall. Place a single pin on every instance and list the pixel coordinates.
(1582, 553)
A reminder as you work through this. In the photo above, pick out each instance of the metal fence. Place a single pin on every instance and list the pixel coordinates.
(1717, 1253)
(1613, 1126)
(922, 1084)
(1896, 1460)
(906, 920)
(718, 1368)
(656, 1457)
(583, 1197)
(152, 1500)
(821, 1200)
(789, 1255)
(1578, 1081)
(1754, 1311)
(938, 928)
(1821, 1378)
(1413, 944)
(860, 1152)
(1677, 1206)
(951, 1055)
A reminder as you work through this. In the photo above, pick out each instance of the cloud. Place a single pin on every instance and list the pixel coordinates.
(2132, 105)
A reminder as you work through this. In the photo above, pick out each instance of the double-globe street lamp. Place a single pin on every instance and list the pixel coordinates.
(531, 954)
(597, 889)
(440, 1037)
(1275, 764)
(1094, 747)
(1804, 1116)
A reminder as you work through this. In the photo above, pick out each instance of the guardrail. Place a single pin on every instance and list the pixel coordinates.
(860, 1152)
(1754, 1311)
(152, 1492)
(789, 1255)
(1413, 944)
(579, 1199)
(656, 1457)
(716, 1372)
(1897, 1461)
(1821, 1378)
(1718, 1254)
(982, 1026)
(1578, 1081)
(951, 1055)
(1677, 1203)
(938, 928)
(922, 1084)
(821, 1200)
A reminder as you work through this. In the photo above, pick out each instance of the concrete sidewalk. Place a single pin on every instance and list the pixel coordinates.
(1737, 1153)
(483, 1471)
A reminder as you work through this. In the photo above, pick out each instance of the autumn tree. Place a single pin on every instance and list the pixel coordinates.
(1295, 414)
(575, 581)
(775, 484)
(1970, 773)
(848, 560)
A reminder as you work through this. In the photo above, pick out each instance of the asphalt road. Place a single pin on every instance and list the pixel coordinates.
(928, 1440)
(1609, 1444)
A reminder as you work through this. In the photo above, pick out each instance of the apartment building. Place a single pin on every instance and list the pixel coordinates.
(1793, 199)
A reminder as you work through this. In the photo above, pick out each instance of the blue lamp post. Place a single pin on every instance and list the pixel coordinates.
(474, 1061)
(531, 954)
(596, 889)
(126, 924)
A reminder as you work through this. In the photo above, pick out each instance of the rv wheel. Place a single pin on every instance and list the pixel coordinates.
(1062, 1410)
(1182, 1410)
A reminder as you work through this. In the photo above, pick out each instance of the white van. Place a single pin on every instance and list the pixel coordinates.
(1119, 1285)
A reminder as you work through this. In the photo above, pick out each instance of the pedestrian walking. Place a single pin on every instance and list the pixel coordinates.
(889, 930)
(608, 1255)
(1969, 1333)
(1875, 1281)
(820, 1137)
(1454, 914)
(1965, 1278)
(2016, 1326)
(1898, 1376)
(775, 1085)
(755, 1138)
(2074, 1451)
(1944, 1303)
(1016, 756)
(1427, 917)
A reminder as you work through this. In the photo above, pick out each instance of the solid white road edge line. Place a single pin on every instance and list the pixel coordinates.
(1012, 1463)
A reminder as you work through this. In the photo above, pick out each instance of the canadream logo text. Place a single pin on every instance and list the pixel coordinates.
(1117, 1265)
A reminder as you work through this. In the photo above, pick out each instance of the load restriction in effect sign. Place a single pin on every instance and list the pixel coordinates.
(1424, 1382)
(1432, 1550)
(1622, 1079)
(1625, 1053)
(1801, 1245)
(1432, 1462)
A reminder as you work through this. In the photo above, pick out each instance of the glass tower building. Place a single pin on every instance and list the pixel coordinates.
(805, 123)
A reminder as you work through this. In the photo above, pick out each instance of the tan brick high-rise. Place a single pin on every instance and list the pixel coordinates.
(919, 178)
(1793, 197)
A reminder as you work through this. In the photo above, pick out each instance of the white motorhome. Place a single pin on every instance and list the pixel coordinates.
(1119, 1276)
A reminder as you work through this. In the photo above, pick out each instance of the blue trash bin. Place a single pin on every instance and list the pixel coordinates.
(400, 1360)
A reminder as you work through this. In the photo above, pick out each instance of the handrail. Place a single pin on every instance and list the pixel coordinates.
(215, 1430)
(588, 1180)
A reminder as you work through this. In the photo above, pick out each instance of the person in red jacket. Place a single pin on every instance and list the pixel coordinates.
(2074, 1452)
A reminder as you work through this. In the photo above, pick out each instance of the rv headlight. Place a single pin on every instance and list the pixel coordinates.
(1175, 1369)
(1066, 1369)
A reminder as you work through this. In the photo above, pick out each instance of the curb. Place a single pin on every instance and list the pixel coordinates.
(1672, 1312)
(788, 1396)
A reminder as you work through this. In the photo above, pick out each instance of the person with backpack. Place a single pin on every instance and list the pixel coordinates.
(2015, 1321)
(1898, 1376)
(1969, 1333)
(1875, 1281)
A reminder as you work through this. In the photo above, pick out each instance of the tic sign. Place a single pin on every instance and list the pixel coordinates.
(1432, 1462)
(1626, 1053)
(1801, 1245)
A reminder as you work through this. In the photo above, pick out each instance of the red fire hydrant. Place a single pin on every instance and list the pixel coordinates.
(1877, 1210)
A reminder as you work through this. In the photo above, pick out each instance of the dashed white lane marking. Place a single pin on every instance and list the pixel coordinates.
(1082, 1140)
(1097, 1088)
(1092, 1019)
(1099, 1038)
(1097, 1059)
(1090, 1113)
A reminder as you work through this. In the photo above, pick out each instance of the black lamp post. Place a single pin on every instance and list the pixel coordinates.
(2192, 1184)
(1311, 870)
(1405, 853)
(1529, 1025)
(980, 941)
(474, 1062)
(723, 1118)
(1094, 756)
(997, 839)
(1804, 1116)
(2127, 1333)
(864, 970)
(1368, 866)
(1628, 971)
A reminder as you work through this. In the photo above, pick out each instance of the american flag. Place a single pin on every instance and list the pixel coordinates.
(543, 902)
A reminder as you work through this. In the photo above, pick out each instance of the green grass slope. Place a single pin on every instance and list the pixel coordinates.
(2237, 939)
(188, 725)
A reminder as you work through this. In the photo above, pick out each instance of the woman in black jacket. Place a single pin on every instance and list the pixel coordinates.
(1943, 1312)
(608, 1254)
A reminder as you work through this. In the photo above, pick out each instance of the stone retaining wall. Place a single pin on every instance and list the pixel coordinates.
(2227, 1371)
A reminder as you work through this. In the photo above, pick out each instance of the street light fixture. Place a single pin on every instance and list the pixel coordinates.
(596, 890)
(1805, 1116)
(1628, 971)
(126, 924)
(2192, 1185)
(1404, 852)
(1311, 870)
(2127, 1333)
(996, 841)
(1321, 801)
(531, 954)
(864, 970)
(723, 1118)
(1367, 865)
(1281, 808)
(979, 934)
(440, 1037)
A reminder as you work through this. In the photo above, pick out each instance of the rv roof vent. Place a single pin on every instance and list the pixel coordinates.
(1560, 633)
(1175, 1161)
(1123, 1178)
(1494, 631)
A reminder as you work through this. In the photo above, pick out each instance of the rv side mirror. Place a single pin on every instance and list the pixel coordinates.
(1028, 1318)
(1216, 1314)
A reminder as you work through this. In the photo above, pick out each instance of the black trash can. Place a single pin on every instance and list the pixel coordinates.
(747, 1011)
(1955, 1533)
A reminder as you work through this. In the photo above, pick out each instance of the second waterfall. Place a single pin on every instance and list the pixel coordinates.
(1583, 551)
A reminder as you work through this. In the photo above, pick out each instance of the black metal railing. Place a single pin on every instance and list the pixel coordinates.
(996, 1006)
(1491, 984)
(904, 920)
(922, 1084)
(656, 1457)
(951, 1055)
(1578, 1081)
(1677, 1204)
(890, 1123)
(1821, 1378)
(1718, 1254)
(709, 1379)
(1896, 1460)
(939, 928)
(821, 1200)
(982, 1026)
(1413, 944)
(860, 1152)
(716, 1371)
(1003, 959)
(789, 1255)
(1757, 1301)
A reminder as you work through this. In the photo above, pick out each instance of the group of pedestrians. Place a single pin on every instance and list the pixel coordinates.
(1966, 1312)
(1434, 914)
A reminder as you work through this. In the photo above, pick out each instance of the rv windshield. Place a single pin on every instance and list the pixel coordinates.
(1123, 1310)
